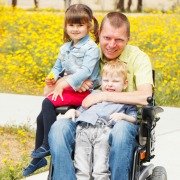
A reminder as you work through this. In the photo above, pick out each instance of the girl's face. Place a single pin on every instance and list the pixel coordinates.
(77, 31)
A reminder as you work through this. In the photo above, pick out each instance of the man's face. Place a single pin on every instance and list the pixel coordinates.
(112, 40)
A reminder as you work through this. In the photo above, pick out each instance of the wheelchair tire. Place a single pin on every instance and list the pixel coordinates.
(159, 173)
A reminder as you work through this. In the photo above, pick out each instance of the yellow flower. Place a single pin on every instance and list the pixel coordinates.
(50, 75)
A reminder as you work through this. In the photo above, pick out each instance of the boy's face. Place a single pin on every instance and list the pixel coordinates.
(113, 83)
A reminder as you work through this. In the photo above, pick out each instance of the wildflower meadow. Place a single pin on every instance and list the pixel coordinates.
(30, 41)
(29, 46)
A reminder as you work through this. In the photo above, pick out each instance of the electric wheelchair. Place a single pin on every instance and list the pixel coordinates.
(141, 169)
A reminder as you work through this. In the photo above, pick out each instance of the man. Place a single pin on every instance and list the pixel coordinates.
(114, 36)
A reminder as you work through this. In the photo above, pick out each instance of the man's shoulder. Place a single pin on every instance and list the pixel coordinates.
(130, 49)
(133, 53)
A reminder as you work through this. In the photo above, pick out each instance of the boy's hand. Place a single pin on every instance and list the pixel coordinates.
(70, 114)
(121, 116)
(117, 116)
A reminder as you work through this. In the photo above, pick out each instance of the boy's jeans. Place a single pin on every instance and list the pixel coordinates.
(92, 151)
(122, 140)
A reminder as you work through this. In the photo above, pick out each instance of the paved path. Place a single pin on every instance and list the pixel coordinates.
(22, 109)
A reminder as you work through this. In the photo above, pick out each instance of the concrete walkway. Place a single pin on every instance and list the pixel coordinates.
(22, 109)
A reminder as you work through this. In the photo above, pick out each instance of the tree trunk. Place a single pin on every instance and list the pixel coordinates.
(36, 4)
(120, 5)
(14, 3)
(129, 5)
(139, 6)
(67, 3)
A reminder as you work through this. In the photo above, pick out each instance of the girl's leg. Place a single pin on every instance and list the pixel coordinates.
(49, 117)
(37, 163)
(39, 136)
(39, 131)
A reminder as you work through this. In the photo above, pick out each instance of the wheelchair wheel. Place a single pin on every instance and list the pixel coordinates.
(159, 173)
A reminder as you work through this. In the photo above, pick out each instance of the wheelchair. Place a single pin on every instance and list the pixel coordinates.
(143, 154)
(142, 169)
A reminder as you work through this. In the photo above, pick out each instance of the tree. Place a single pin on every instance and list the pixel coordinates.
(14, 3)
(67, 3)
(36, 3)
(120, 5)
(129, 5)
(139, 6)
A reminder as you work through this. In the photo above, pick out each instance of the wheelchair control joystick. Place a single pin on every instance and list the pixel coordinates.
(150, 100)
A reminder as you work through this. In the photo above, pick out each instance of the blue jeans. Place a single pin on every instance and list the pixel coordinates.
(122, 140)
(62, 143)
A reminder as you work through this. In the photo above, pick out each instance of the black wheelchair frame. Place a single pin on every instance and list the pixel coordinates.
(145, 150)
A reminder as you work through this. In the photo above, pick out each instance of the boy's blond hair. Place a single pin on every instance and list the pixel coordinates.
(117, 68)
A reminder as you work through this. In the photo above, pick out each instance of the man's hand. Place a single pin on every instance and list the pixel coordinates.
(86, 85)
(91, 99)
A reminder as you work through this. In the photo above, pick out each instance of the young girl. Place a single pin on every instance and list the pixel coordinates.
(77, 61)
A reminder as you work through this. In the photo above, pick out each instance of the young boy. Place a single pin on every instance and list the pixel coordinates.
(94, 125)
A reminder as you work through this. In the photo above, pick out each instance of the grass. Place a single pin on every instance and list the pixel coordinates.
(16, 144)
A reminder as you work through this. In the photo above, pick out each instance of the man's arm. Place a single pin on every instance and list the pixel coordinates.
(138, 97)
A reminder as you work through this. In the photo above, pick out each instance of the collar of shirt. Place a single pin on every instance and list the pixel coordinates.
(122, 56)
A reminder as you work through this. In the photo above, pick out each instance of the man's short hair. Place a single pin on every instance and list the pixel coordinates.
(117, 20)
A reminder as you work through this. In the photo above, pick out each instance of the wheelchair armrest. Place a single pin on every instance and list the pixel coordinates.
(63, 109)
(149, 112)
(158, 109)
